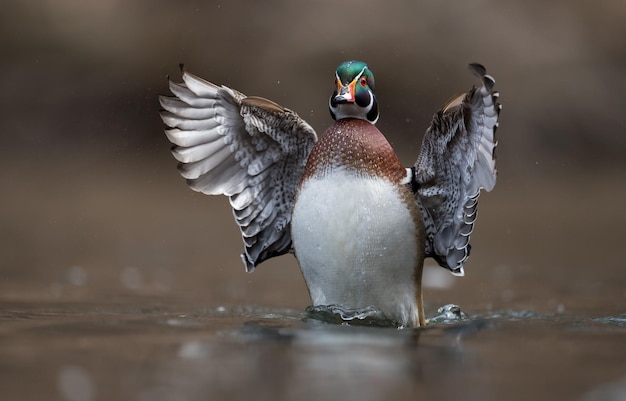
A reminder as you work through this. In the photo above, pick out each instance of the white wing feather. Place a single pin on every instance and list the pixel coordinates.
(247, 148)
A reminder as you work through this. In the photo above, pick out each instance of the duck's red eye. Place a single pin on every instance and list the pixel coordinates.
(363, 81)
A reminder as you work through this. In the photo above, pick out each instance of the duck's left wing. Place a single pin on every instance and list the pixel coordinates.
(247, 148)
(456, 161)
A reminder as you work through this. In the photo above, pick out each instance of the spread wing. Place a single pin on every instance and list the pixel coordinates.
(456, 161)
(247, 148)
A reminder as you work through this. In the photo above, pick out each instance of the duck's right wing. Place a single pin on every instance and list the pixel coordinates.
(247, 148)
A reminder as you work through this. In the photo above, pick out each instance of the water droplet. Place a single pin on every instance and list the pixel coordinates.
(75, 384)
(77, 276)
(193, 350)
(131, 278)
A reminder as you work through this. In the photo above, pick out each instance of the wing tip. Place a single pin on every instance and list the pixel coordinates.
(478, 69)
(459, 271)
(481, 72)
(248, 264)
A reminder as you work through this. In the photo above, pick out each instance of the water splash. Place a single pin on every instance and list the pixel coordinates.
(337, 314)
(619, 320)
(370, 316)
(449, 314)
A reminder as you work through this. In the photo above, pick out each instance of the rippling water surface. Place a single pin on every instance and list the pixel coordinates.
(141, 352)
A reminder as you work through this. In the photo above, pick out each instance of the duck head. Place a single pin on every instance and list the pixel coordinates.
(354, 93)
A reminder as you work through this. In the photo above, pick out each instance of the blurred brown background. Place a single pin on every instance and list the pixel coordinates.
(93, 208)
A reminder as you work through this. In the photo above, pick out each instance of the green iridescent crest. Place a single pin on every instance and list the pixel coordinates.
(349, 70)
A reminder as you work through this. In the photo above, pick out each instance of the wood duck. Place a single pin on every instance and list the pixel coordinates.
(358, 222)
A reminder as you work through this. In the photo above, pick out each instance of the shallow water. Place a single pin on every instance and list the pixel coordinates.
(146, 352)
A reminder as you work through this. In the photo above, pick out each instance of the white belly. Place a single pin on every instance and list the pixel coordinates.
(355, 240)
